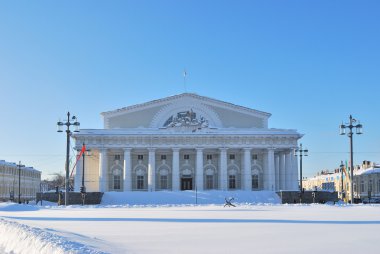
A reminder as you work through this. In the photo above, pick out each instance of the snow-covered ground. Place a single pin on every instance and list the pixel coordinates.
(190, 228)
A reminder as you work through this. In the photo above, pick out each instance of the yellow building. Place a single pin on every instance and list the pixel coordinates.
(366, 181)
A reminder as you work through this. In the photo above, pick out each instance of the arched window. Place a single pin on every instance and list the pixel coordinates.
(256, 177)
(164, 178)
(210, 172)
(141, 179)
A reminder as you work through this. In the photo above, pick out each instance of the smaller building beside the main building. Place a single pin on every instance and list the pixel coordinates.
(29, 181)
(366, 181)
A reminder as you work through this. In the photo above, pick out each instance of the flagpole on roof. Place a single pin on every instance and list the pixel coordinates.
(184, 79)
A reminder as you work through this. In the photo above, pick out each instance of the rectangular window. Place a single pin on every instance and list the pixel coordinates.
(255, 182)
(232, 156)
(362, 186)
(140, 157)
(232, 182)
(164, 182)
(116, 182)
(163, 157)
(254, 156)
(209, 182)
(140, 182)
(186, 156)
(117, 157)
(209, 156)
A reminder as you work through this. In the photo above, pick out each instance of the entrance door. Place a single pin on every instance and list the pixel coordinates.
(186, 183)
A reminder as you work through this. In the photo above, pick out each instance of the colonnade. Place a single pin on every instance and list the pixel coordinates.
(278, 169)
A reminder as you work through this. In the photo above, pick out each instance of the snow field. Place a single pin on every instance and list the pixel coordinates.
(176, 225)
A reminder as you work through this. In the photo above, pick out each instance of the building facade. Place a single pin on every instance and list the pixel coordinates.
(187, 142)
(29, 181)
(366, 181)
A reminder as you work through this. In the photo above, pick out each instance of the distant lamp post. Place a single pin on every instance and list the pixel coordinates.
(19, 181)
(359, 130)
(70, 122)
(83, 187)
(342, 189)
(301, 152)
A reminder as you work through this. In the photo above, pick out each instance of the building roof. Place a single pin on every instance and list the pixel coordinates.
(375, 169)
(141, 105)
(13, 164)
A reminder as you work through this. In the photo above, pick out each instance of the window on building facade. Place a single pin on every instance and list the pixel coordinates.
(255, 182)
(209, 182)
(163, 157)
(140, 157)
(186, 157)
(209, 156)
(254, 156)
(164, 182)
(370, 185)
(378, 186)
(140, 182)
(232, 156)
(362, 186)
(117, 157)
(116, 182)
(232, 182)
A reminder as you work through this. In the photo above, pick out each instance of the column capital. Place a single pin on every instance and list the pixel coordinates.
(151, 149)
(271, 148)
(247, 149)
(176, 149)
(127, 149)
(199, 149)
(223, 149)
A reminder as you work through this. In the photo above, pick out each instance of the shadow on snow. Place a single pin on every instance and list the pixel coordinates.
(171, 220)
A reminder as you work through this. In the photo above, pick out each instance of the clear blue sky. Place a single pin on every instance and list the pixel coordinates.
(308, 63)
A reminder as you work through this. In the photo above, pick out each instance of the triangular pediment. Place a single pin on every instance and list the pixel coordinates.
(185, 110)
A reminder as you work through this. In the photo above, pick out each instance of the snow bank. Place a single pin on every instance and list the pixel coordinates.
(188, 197)
(15, 207)
(19, 238)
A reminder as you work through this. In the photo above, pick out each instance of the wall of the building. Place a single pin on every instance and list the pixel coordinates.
(9, 182)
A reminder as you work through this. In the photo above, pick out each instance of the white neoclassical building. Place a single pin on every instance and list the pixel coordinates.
(187, 142)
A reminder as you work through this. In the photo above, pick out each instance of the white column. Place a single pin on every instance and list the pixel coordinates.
(175, 170)
(199, 169)
(295, 179)
(288, 166)
(78, 174)
(247, 170)
(277, 173)
(152, 170)
(103, 164)
(223, 169)
(127, 176)
(282, 171)
(270, 170)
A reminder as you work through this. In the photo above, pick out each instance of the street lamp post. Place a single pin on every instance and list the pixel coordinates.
(301, 152)
(70, 121)
(19, 181)
(350, 126)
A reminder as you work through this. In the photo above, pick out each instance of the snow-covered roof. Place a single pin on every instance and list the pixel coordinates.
(13, 164)
(375, 169)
